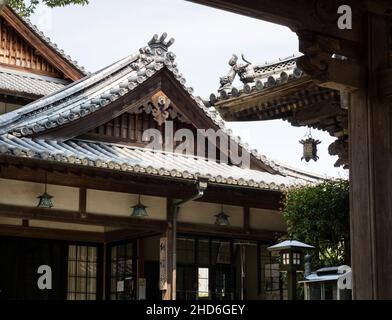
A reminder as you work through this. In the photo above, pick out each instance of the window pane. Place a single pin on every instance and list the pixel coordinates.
(91, 285)
(114, 269)
(92, 254)
(72, 253)
(92, 296)
(71, 268)
(81, 285)
(185, 251)
(82, 253)
(82, 272)
(71, 284)
(121, 267)
(129, 250)
(81, 296)
(82, 269)
(121, 252)
(203, 283)
(71, 296)
(128, 268)
(114, 253)
(92, 270)
(204, 252)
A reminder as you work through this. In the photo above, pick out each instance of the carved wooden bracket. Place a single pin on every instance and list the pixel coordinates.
(323, 62)
(160, 104)
(334, 73)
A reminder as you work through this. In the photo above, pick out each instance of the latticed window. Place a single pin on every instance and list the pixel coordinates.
(123, 261)
(270, 276)
(82, 273)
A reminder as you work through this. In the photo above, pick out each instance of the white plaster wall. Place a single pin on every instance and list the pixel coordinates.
(267, 220)
(15, 192)
(204, 213)
(119, 204)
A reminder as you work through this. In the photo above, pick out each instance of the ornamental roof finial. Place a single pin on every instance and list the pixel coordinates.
(159, 42)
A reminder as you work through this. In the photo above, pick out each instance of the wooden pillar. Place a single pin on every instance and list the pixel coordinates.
(371, 173)
(168, 293)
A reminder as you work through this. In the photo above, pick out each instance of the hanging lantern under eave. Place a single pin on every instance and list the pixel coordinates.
(139, 210)
(310, 149)
(222, 219)
(45, 201)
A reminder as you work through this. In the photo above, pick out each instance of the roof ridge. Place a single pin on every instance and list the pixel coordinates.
(72, 102)
(294, 56)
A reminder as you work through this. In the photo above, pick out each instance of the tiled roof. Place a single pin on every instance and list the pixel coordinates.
(145, 161)
(257, 77)
(19, 82)
(100, 89)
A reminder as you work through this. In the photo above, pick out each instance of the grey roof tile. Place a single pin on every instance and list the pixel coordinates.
(35, 86)
(145, 161)
(99, 90)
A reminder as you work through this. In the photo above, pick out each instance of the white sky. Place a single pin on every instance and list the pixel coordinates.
(105, 31)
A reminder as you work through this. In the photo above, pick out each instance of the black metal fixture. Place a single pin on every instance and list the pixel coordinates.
(139, 210)
(222, 219)
(309, 147)
(45, 199)
(291, 253)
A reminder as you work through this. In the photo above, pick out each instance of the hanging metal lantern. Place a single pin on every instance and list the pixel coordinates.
(222, 219)
(139, 211)
(45, 199)
(310, 148)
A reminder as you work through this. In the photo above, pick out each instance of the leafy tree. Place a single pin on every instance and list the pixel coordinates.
(319, 215)
(28, 7)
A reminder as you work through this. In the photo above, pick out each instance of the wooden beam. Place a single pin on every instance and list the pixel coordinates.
(66, 216)
(320, 16)
(51, 234)
(127, 234)
(227, 232)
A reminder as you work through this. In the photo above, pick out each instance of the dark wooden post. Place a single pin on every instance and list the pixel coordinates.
(371, 172)
(292, 282)
(168, 293)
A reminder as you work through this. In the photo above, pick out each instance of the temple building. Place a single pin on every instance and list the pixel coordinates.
(282, 90)
(84, 193)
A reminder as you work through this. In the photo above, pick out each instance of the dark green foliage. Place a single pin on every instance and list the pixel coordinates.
(319, 215)
(27, 7)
